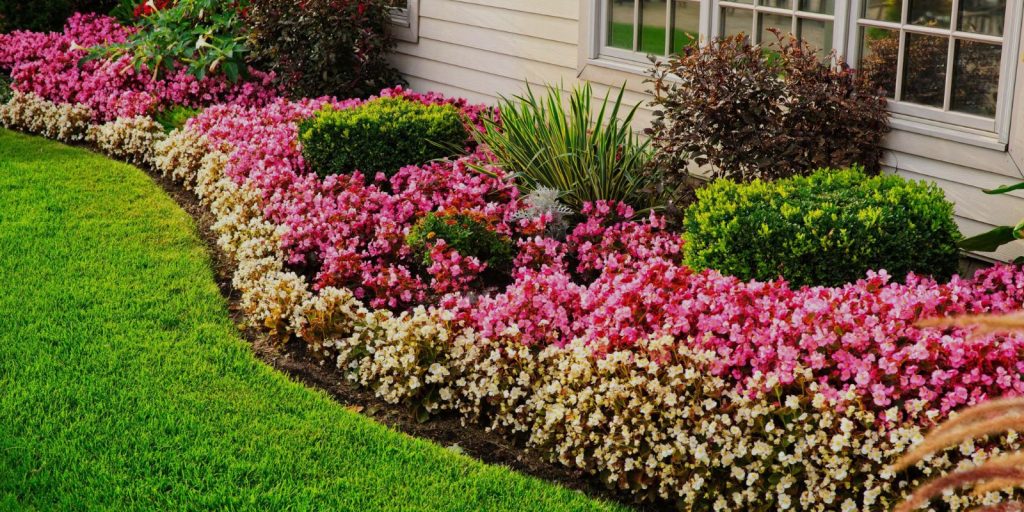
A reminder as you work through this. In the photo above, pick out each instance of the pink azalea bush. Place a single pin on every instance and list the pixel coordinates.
(49, 66)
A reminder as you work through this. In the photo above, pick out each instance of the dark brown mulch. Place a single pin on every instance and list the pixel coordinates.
(446, 430)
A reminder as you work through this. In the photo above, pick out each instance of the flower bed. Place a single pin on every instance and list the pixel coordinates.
(603, 351)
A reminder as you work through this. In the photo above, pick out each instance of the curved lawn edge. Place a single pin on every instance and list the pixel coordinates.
(126, 386)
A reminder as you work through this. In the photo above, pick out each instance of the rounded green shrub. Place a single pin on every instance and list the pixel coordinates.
(469, 233)
(828, 228)
(382, 135)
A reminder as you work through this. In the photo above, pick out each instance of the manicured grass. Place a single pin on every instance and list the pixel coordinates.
(124, 385)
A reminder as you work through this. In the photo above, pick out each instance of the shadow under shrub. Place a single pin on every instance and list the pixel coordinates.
(382, 135)
(324, 47)
(46, 15)
(825, 229)
(751, 111)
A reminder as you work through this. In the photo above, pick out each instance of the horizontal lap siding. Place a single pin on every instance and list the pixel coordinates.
(491, 47)
(483, 49)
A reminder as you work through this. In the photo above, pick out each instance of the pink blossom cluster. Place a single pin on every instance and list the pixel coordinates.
(858, 338)
(349, 230)
(50, 66)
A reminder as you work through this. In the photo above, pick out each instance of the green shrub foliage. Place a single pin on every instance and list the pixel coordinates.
(175, 117)
(324, 47)
(382, 135)
(46, 15)
(825, 229)
(469, 233)
(5, 89)
(204, 36)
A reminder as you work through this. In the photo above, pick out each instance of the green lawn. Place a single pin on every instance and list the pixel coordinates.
(124, 386)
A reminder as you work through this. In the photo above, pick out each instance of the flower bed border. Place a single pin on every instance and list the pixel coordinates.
(332, 321)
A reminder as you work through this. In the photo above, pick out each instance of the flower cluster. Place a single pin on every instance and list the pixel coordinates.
(128, 138)
(50, 66)
(28, 112)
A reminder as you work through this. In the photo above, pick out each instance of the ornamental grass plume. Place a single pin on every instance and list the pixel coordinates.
(997, 416)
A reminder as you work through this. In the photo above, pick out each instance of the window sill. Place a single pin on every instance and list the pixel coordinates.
(945, 132)
(626, 66)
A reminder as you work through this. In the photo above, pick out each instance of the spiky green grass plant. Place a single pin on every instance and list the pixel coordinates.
(588, 152)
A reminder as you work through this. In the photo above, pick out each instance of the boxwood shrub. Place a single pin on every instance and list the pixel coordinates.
(470, 233)
(828, 228)
(382, 135)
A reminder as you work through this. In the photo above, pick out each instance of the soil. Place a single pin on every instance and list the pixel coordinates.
(446, 430)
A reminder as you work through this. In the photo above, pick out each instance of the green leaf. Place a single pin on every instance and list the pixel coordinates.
(231, 71)
(990, 241)
(1006, 188)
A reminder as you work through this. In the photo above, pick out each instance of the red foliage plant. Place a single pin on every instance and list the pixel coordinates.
(754, 111)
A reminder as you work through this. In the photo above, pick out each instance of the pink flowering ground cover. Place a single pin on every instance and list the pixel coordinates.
(620, 279)
(49, 65)
(613, 278)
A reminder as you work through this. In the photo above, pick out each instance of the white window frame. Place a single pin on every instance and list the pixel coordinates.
(405, 23)
(962, 127)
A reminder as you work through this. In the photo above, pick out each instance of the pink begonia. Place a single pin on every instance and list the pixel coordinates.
(50, 65)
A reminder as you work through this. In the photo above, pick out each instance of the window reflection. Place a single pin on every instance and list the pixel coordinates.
(930, 13)
(982, 16)
(653, 32)
(976, 78)
(620, 24)
(924, 70)
(879, 50)
(686, 30)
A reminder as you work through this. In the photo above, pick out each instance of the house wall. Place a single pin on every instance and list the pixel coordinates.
(480, 49)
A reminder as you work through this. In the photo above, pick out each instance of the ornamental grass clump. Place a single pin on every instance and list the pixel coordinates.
(825, 229)
(382, 135)
(586, 154)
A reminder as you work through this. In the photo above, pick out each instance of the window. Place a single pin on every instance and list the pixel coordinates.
(945, 62)
(937, 58)
(405, 19)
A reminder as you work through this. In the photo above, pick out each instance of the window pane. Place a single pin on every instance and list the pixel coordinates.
(782, 4)
(924, 69)
(737, 21)
(620, 24)
(982, 16)
(879, 54)
(885, 10)
(976, 78)
(784, 24)
(820, 6)
(816, 33)
(930, 13)
(652, 19)
(686, 29)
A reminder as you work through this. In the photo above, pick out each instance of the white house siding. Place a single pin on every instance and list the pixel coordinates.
(480, 49)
